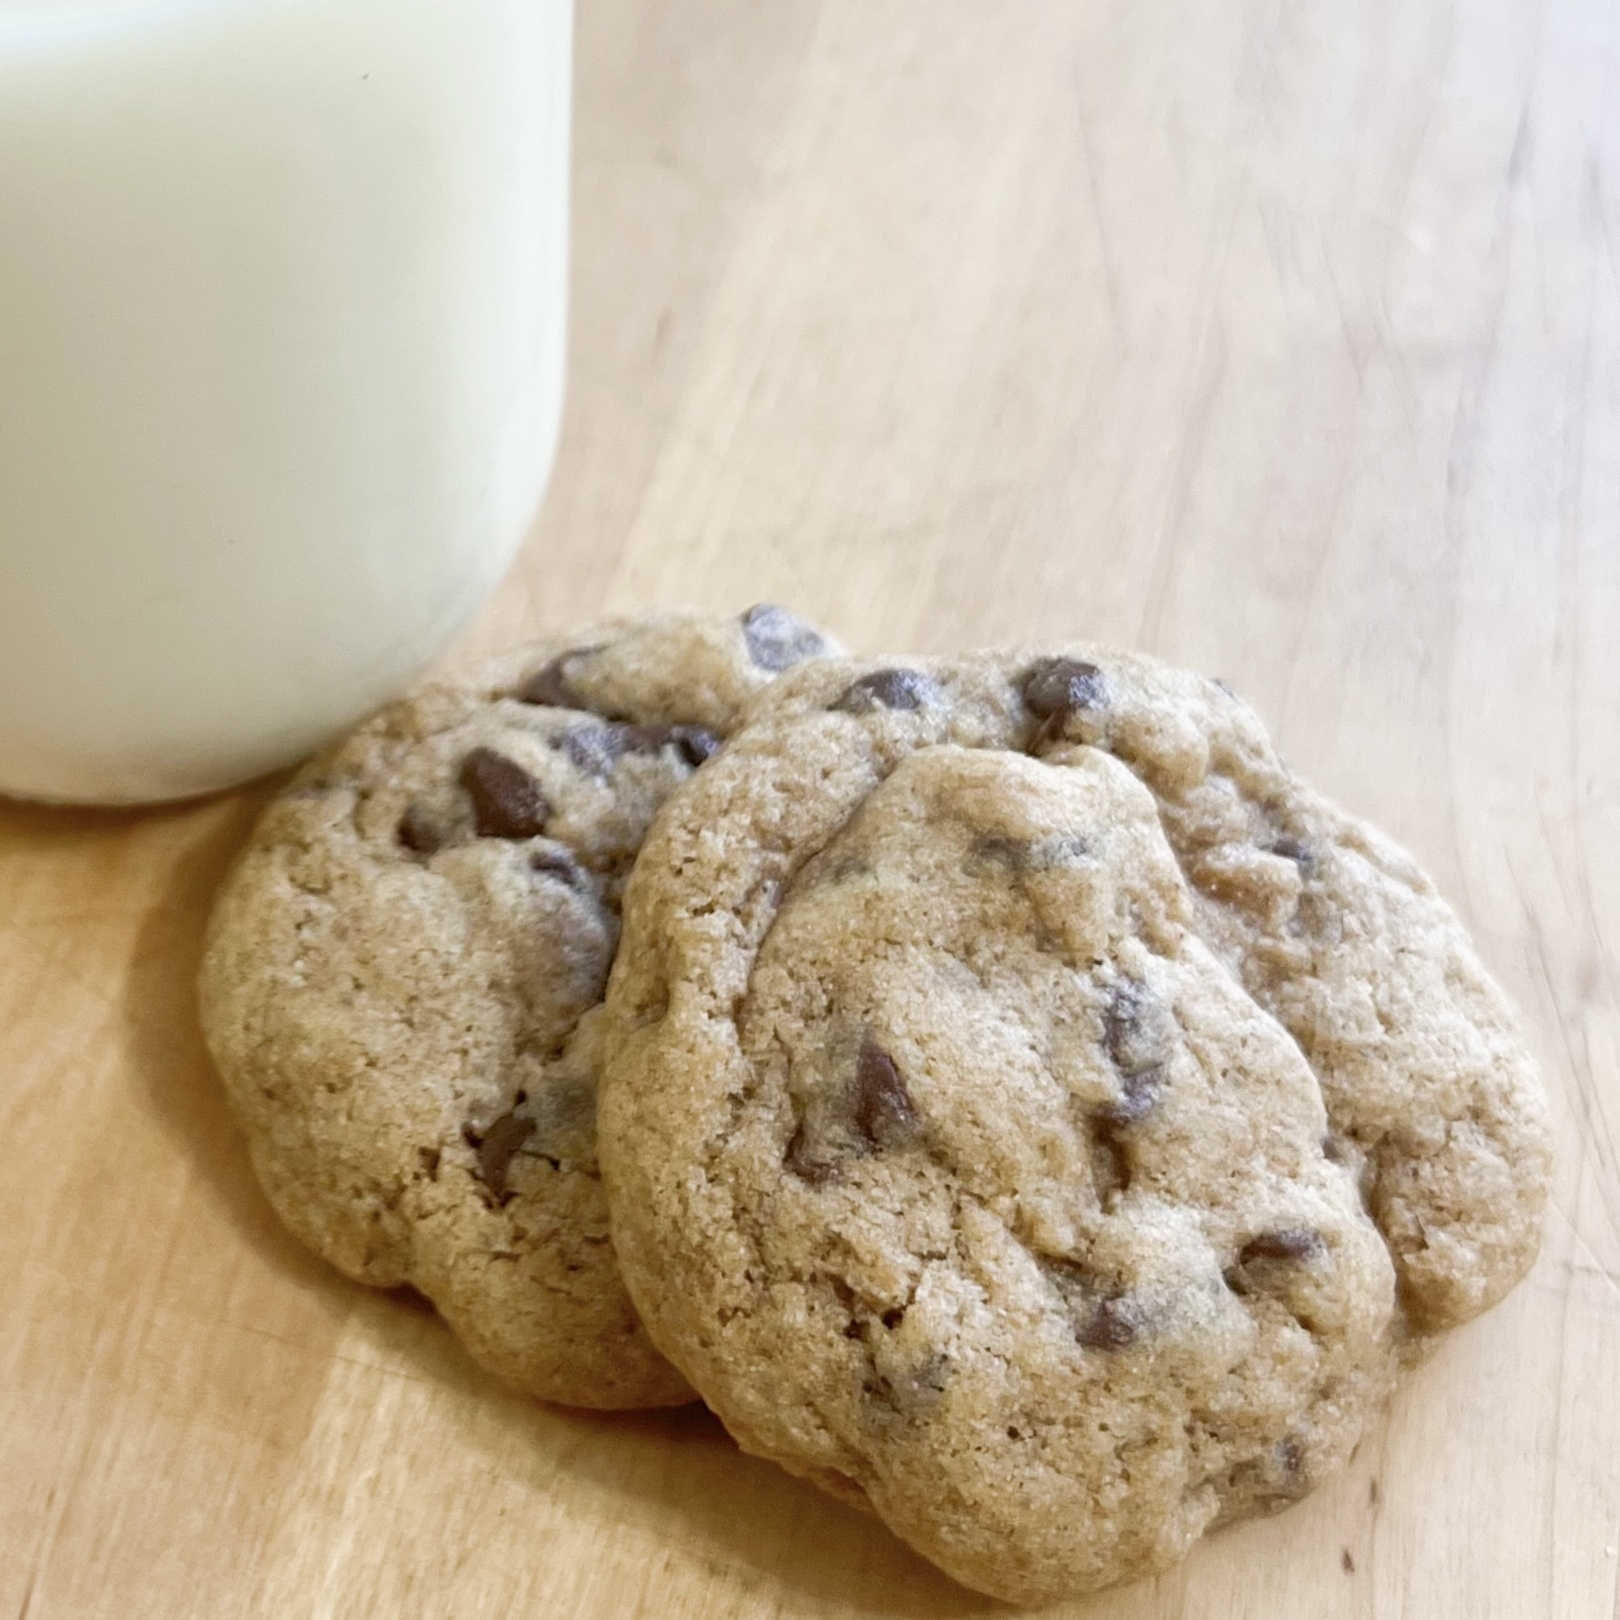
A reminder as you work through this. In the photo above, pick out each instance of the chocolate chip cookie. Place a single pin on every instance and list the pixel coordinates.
(1034, 1112)
(399, 974)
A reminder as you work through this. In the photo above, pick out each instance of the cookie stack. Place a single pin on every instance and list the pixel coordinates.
(1000, 1088)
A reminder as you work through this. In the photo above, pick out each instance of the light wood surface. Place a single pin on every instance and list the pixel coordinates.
(1278, 336)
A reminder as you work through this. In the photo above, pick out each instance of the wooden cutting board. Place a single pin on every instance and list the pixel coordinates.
(1279, 338)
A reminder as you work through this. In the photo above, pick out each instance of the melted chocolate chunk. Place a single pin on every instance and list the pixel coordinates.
(1112, 1325)
(1058, 688)
(887, 689)
(549, 687)
(1266, 1262)
(880, 1105)
(1289, 1243)
(418, 832)
(497, 1147)
(1104, 1317)
(507, 801)
(875, 1113)
(777, 640)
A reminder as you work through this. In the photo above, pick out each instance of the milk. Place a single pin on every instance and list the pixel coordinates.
(282, 308)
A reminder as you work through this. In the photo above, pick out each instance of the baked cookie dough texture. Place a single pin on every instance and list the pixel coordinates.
(1032, 1112)
(400, 972)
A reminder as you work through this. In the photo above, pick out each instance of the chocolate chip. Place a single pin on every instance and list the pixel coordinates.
(875, 1112)
(1138, 1097)
(497, 1147)
(880, 1105)
(778, 640)
(1266, 1261)
(1136, 1035)
(1291, 850)
(887, 689)
(854, 1329)
(591, 749)
(559, 864)
(418, 832)
(549, 687)
(1104, 1317)
(428, 1158)
(1112, 1325)
(801, 1162)
(894, 1316)
(694, 744)
(507, 801)
(1058, 688)
(596, 749)
(1135, 1028)
(1287, 1243)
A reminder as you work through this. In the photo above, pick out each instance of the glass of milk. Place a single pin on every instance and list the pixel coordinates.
(282, 305)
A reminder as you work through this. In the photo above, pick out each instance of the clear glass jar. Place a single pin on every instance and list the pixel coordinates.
(282, 311)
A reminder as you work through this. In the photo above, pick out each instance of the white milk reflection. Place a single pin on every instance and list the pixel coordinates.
(282, 292)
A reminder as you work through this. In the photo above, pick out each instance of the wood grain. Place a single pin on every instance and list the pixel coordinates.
(1278, 336)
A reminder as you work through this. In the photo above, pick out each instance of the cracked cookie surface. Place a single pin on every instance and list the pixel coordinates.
(956, 1147)
(400, 971)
